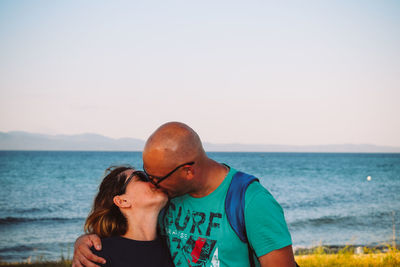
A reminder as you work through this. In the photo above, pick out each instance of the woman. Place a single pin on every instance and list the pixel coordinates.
(125, 216)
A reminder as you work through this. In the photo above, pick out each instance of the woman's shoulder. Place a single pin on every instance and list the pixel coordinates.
(107, 245)
(116, 246)
(110, 240)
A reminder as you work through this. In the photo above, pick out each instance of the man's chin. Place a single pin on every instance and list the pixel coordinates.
(171, 194)
(165, 191)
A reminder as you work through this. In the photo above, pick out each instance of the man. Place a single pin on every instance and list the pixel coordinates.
(198, 231)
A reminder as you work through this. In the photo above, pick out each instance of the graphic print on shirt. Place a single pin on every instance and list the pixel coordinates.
(192, 236)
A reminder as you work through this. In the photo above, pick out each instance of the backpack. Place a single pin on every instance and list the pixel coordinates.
(234, 208)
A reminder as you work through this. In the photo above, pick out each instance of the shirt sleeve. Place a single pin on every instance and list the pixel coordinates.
(265, 221)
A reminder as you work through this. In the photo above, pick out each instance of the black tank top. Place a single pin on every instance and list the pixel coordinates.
(123, 252)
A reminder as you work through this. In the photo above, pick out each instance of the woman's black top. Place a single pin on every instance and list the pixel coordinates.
(123, 252)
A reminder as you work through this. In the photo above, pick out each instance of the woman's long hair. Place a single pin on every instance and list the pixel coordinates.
(105, 218)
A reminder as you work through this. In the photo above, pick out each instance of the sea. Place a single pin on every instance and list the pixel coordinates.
(332, 199)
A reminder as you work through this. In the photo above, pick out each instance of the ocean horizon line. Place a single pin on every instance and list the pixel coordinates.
(25, 141)
(208, 151)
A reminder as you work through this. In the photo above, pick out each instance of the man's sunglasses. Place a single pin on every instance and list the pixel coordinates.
(157, 179)
(145, 177)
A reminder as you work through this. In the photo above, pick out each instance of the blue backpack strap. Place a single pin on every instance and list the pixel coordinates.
(234, 207)
(234, 203)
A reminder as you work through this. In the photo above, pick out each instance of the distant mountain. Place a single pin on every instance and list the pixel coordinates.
(91, 142)
(31, 141)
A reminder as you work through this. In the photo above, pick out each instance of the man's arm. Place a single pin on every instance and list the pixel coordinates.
(83, 256)
(278, 258)
(266, 228)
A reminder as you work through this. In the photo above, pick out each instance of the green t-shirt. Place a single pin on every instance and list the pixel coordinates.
(199, 233)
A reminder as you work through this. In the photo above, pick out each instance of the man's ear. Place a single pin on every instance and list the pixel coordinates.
(121, 202)
(189, 172)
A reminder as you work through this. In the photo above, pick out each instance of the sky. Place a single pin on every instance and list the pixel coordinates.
(270, 72)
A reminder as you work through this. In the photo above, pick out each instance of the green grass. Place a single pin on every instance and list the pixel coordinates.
(345, 257)
(316, 257)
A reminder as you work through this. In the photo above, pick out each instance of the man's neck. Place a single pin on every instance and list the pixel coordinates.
(213, 174)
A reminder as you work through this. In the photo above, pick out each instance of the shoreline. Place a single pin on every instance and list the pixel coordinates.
(337, 249)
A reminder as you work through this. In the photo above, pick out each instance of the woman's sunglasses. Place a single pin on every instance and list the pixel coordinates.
(140, 174)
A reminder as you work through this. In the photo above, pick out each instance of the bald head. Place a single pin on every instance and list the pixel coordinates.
(171, 144)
